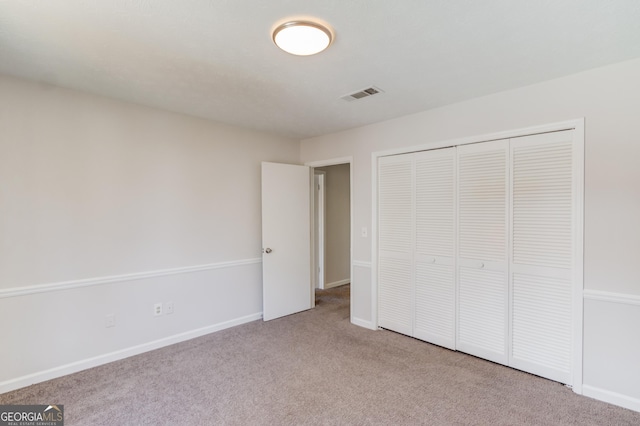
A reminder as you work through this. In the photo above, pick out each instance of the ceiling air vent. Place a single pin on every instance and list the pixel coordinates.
(365, 93)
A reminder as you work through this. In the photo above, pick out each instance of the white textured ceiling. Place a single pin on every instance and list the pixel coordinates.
(215, 59)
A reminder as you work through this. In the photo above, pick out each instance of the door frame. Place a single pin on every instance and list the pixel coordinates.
(319, 242)
(336, 162)
(577, 126)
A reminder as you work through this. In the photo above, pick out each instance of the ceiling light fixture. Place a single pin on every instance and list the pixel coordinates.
(302, 38)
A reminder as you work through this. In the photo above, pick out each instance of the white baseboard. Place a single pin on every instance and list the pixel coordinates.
(363, 323)
(611, 397)
(337, 283)
(84, 364)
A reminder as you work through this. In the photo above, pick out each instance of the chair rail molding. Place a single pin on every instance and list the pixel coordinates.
(608, 296)
(89, 282)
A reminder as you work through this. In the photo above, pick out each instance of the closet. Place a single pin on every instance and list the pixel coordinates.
(476, 249)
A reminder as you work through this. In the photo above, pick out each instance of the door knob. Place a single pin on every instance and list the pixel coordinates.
(268, 250)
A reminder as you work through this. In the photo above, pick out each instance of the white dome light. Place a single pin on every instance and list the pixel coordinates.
(302, 38)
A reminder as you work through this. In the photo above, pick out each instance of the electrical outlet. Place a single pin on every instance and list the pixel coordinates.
(168, 308)
(110, 320)
(157, 309)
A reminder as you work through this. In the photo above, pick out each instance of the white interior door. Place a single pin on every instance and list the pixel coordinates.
(286, 239)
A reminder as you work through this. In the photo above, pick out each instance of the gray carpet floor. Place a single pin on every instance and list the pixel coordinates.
(313, 368)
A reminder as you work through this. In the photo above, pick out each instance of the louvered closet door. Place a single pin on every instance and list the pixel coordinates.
(542, 254)
(435, 247)
(482, 250)
(395, 243)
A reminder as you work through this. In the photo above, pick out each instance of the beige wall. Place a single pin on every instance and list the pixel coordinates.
(93, 188)
(609, 99)
(337, 224)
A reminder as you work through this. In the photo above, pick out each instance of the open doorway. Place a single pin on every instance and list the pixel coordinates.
(288, 253)
(332, 226)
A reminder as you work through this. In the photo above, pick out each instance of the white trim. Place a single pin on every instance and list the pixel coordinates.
(363, 323)
(330, 162)
(352, 235)
(319, 246)
(84, 364)
(90, 282)
(611, 397)
(337, 283)
(312, 243)
(578, 267)
(374, 239)
(361, 263)
(608, 296)
(507, 134)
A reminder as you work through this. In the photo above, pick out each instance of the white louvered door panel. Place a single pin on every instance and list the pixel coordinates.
(542, 254)
(482, 319)
(435, 247)
(396, 236)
